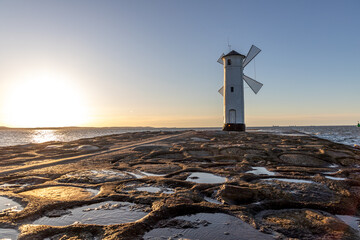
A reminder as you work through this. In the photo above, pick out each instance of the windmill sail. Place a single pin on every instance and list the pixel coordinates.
(251, 54)
(220, 59)
(221, 91)
(254, 85)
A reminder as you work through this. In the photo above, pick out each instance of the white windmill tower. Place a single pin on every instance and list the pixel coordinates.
(233, 89)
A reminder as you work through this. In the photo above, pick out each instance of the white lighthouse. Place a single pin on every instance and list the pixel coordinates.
(233, 89)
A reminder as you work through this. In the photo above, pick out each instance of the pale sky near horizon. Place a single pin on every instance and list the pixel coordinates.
(153, 63)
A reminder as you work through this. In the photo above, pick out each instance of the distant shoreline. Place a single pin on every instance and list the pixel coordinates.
(154, 128)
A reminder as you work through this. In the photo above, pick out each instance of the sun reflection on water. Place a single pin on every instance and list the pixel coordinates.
(47, 135)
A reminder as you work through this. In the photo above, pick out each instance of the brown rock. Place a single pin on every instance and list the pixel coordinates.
(303, 160)
(237, 195)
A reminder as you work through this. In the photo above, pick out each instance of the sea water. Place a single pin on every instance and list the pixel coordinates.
(11, 137)
(349, 135)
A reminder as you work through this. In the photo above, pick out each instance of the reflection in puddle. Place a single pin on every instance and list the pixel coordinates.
(40, 136)
(63, 193)
(8, 234)
(141, 174)
(288, 180)
(206, 226)
(104, 213)
(211, 200)
(7, 205)
(93, 191)
(149, 189)
(155, 190)
(201, 177)
(335, 178)
(86, 148)
(352, 221)
(261, 171)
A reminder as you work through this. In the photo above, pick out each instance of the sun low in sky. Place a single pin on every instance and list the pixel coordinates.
(44, 100)
(154, 63)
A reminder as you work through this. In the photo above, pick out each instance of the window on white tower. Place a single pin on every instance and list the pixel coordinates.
(232, 89)
(229, 62)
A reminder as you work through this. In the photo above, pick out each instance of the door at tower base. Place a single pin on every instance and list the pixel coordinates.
(231, 124)
(239, 127)
(232, 116)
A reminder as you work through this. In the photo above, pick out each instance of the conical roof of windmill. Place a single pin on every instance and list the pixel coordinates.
(233, 52)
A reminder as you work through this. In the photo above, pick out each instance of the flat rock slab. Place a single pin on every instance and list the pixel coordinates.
(60, 193)
(303, 160)
(94, 176)
(157, 168)
(304, 223)
(190, 184)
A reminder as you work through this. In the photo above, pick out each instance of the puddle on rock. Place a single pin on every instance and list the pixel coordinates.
(8, 205)
(211, 200)
(261, 171)
(151, 189)
(87, 148)
(335, 178)
(104, 213)
(93, 191)
(62, 193)
(8, 234)
(13, 185)
(352, 221)
(206, 226)
(141, 174)
(148, 188)
(202, 177)
(289, 180)
(333, 172)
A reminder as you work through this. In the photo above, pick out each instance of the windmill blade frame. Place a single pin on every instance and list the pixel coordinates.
(253, 52)
(221, 91)
(220, 59)
(253, 84)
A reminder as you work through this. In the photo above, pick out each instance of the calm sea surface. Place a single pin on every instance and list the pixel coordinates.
(10, 137)
(349, 135)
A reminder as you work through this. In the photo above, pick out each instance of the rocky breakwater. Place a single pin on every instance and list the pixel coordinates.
(184, 185)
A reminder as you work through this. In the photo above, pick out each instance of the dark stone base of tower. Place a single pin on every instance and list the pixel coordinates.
(239, 127)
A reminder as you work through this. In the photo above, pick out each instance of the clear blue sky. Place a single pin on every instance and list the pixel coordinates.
(154, 62)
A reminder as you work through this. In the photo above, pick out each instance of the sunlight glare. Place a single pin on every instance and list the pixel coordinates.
(44, 101)
(40, 136)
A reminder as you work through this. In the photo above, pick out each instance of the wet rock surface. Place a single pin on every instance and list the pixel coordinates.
(181, 185)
